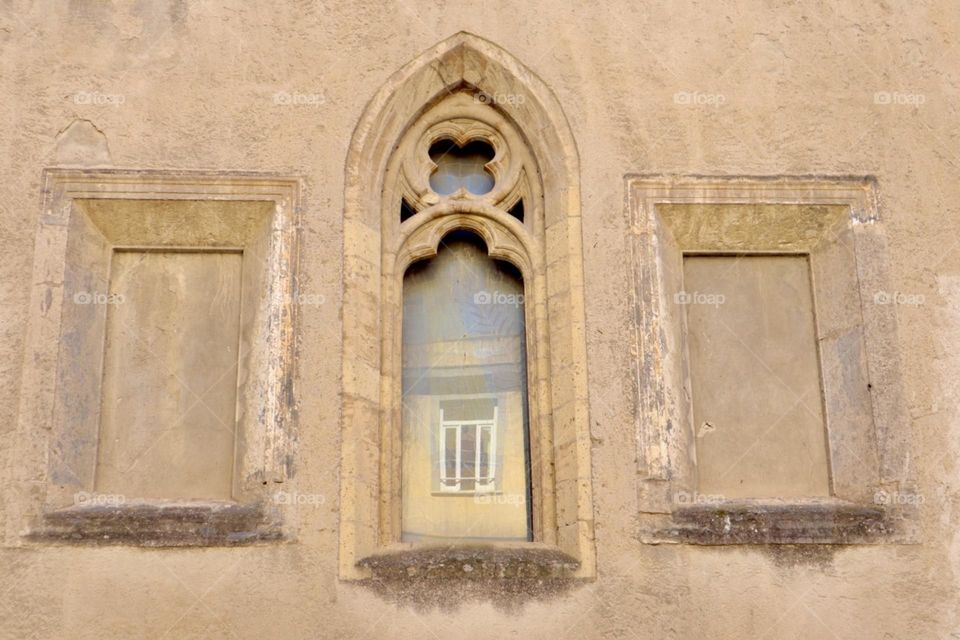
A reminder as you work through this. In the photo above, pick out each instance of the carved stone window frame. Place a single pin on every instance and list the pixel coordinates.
(60, 461)
(461, 118)
(451, 93)
(865, 414)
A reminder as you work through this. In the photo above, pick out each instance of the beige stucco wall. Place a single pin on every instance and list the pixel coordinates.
(671, 87)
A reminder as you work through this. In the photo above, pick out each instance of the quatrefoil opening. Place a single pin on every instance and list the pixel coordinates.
(461, 167)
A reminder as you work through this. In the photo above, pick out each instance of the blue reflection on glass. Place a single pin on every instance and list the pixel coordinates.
(461, 167)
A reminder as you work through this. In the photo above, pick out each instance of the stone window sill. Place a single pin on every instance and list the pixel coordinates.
(470, 562)
(781, 522)
(159, 524)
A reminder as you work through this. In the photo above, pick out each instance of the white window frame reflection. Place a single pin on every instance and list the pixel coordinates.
(483, 482)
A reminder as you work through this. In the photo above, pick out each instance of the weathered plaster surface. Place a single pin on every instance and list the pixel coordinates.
(673, 87)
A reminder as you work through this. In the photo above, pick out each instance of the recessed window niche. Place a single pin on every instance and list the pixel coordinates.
(171, 299)
(182, 279)
(769, 406)
(169, 390)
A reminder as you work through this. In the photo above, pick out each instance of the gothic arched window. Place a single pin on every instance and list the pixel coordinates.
(464, 360)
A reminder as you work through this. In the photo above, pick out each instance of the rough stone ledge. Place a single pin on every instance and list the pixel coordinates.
(471, 562)
(784, 523)
(447, 577)
(175, 524)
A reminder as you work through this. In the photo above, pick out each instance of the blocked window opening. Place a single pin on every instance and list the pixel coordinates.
(776, 412)
(755, 376)
(168, 411)
(167, 340)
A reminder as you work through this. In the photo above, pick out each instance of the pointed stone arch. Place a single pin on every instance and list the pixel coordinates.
(462, 60)
(548, 250)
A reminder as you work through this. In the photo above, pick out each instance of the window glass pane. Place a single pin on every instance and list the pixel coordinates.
(485, 444)
(450, 452)
(468, 451)
(464, 367)
(464, 409)
(461, 167)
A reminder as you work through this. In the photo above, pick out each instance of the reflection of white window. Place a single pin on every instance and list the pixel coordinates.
(468, 462)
